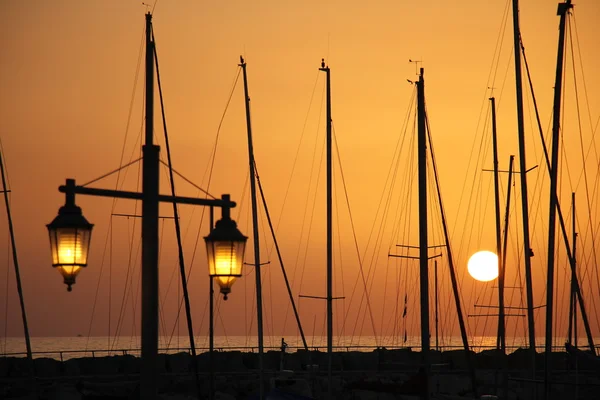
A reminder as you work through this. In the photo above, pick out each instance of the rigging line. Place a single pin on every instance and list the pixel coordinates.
(500, 42)
(402, 203)
(187, 180)
(401, 232)
(304, 216)
(177, 224)
(362, 273)
(448, 250)
(584, 82)
(287, 190)
(161, 315)
(210, 169)
(391, 178)
(475, 185)
(584, 157)
(310, 225)
(560, 216)
(470, 216)
(129, 275)
(127, 125)
(496, 51)
(112, 172)
(6, 298)
(289, 289)
(110, 264)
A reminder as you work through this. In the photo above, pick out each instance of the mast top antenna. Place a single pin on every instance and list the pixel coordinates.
(417, 62)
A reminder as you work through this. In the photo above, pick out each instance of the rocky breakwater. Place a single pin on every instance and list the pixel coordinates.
(381, 374)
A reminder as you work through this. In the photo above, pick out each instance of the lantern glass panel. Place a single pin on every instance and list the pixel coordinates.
(225, 258)
(70, 246)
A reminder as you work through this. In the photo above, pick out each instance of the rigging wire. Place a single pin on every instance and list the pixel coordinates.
(306, 204)
(383, 203)
(584, 161)
(6, 297)
(209, 171)
(362, 274)
(114, 202)
(188, 180)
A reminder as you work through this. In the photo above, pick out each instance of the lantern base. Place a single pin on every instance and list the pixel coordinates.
(225, 291)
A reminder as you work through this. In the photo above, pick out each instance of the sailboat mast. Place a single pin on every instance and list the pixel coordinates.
(501, 339)
(437, 334)
(574, 277)
(423, 245)
(523, 174)
(562, 11)
(150, 188)
(329, 235)
(572, 337)
(16, 265)
(259, 311)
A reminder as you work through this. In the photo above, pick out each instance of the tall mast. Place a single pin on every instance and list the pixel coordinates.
(523, 173)
(150, 186)
(17, 273)
(259, 311)
(437, 341)
(329, 236)
(502, 274)
(423, 245)
(573, 297)
(501, 339)
(562, 11)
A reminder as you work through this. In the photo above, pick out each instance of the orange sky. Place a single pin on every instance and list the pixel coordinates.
(66, 82)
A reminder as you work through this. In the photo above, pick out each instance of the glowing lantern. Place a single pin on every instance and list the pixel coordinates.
(70, 235)
(225, 247)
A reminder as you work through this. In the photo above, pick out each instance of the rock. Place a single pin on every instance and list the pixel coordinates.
(368, 395)
(520, 359)
(490, 359)
(19, 367)
(224, 396)
(4, 366)
(359, 361)
(61, 392)
(71, 367)
(456, 358)
(47, 367)
(179, 362)
(129, 364)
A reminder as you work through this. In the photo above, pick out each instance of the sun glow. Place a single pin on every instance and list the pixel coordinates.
(483, 266)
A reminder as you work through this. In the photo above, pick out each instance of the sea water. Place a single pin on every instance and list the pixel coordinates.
(63, 348)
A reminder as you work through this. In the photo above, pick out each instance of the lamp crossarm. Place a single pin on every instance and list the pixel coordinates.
(122, 194)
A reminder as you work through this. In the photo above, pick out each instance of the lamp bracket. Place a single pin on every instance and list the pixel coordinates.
(122, 194)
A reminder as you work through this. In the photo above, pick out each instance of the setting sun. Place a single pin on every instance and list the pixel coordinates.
(483, 266)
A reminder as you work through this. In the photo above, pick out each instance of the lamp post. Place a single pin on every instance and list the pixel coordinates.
(70, 234)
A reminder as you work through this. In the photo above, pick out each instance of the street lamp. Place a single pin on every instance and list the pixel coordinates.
(70, 233)
(225, 250)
